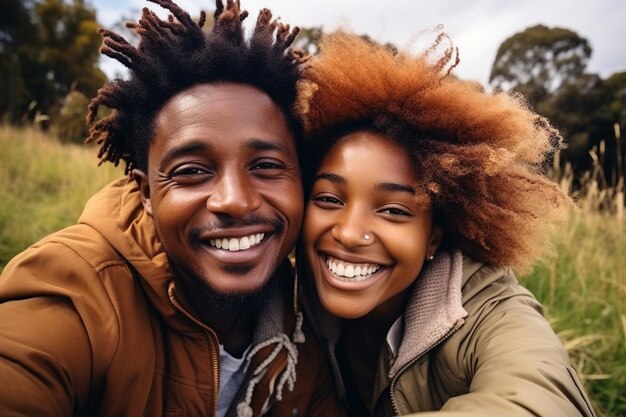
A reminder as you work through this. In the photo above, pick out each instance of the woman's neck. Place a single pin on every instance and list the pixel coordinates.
(360, 346)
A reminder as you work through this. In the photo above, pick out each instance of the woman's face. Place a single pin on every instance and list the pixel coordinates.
(366, 236)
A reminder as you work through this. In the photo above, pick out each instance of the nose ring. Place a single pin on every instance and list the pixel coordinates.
(366, 236)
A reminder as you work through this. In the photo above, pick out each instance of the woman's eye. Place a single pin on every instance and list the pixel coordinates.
(327, 200)
(396, 211)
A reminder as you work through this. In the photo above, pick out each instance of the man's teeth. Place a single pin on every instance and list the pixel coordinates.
(345, 271)
(236, 244)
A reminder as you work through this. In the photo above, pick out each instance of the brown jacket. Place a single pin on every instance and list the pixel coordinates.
(92, 324)
(474, 344)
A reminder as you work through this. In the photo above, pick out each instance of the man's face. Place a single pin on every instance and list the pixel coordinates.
(223, 186)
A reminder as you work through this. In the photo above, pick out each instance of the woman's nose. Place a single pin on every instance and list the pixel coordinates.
(351, 230)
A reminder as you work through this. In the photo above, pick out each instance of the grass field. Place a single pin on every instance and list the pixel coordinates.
(582, 285)
(583, 290)
(43, 185)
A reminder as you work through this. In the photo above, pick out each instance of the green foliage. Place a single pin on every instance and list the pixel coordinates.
(538, 60)
(616, 85)
(70, 125)
(50, 52)
(547, 65)
(44, 186)
(16, 28)
(580, 108)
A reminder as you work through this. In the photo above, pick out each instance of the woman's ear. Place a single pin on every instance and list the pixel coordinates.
(436, 237)
(144, 189)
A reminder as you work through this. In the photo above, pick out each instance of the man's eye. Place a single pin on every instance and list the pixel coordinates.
(188, 172)
(267, 165)
(189, 175)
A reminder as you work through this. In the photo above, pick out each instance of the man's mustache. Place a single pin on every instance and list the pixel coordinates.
(227, 222)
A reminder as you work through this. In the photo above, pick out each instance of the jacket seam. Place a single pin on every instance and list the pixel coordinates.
(103, 265)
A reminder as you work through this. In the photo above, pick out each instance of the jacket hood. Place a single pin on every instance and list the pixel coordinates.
(117, 213)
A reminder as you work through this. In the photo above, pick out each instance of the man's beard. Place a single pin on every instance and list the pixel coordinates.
(240, 304)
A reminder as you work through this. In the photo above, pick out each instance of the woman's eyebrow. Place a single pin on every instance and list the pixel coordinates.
(395, 187)
(337, 179)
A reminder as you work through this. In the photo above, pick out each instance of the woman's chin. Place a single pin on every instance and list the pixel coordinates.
(344, 306)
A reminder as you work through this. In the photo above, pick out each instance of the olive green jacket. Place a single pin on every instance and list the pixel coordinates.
(475, 343)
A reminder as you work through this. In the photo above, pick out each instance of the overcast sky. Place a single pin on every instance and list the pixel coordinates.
(477, 27)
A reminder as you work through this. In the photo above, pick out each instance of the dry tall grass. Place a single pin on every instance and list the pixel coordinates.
(583, 284)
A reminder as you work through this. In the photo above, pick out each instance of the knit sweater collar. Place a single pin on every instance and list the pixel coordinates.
(434, 310)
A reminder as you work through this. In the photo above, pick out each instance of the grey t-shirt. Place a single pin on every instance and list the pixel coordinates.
(231, 376)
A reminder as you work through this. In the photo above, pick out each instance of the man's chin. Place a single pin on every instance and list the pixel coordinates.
(236, 269)
(242, 301)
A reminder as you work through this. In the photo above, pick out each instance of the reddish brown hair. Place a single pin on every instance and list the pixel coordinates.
(479, 155)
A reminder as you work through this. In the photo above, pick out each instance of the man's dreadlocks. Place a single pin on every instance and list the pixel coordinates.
(176, 54)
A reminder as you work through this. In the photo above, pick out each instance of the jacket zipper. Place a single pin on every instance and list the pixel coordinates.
(212, 343)
(392, 387)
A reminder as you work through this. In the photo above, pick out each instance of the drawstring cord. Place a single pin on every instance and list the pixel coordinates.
(288, 375)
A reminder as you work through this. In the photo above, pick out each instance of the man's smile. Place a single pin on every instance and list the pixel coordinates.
(235, 244)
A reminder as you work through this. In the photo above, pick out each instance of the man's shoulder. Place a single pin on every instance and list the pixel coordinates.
(77, 243)
(76, 257)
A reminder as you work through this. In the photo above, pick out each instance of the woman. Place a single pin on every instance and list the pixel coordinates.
(424, 189)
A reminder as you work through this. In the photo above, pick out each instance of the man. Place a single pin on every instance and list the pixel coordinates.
(173, 294)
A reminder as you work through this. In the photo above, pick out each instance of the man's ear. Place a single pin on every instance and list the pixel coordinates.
(144, 189)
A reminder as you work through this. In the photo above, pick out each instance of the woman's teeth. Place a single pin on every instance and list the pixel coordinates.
(349, 272)
(236, 244)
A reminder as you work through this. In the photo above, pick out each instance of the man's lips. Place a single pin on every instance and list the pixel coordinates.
(234, 244)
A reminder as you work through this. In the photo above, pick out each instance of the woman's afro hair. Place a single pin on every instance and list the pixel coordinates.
(478, 156)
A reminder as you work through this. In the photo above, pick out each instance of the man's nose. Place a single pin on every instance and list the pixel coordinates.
(233, 195)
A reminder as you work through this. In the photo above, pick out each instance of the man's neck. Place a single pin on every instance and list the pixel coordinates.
(234, 329)
(233, 317)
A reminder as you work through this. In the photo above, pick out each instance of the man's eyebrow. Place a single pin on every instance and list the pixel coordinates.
(265, 145)
(187, 148)
(395, 187)
(337, 179)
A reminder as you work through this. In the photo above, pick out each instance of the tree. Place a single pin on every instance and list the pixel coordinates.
(616, 84)
(308, 39)
(579, 107)
(16, 28)
(56, 52)
(548, 67)
(538, 60)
